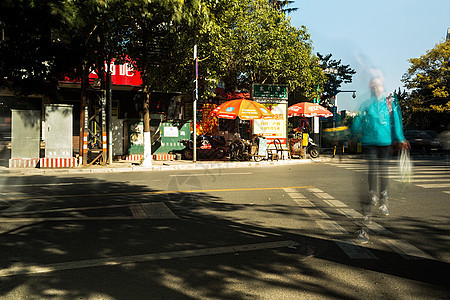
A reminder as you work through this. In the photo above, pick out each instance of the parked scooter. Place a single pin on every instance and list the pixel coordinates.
(295, 146)
(207, 147)
(312, 149)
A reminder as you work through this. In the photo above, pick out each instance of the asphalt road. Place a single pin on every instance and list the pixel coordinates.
(284, 232)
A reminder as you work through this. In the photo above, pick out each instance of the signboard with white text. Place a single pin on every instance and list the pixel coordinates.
(274, 128)
(270, 92)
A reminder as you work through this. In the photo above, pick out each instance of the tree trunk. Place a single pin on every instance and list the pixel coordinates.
(147, 161)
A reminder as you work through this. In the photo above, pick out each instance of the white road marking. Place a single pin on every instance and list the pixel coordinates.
(422, 176)
(209, 174)
(434, 186)
(68, 209)
(154, 210)
(23, 269)
(315, 213)
(430, 180)
(60, 219)
(350, 213)
(304, 203)
(355, 252)
(296, 195)
(315, 190)
(401, 247)
(406, 250)
(50, 184)
(335, 203)
(324, 195)
(329, 226)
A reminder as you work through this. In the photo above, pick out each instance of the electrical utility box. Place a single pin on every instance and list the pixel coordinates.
(58, 131)
(171, 132)
(25, 133)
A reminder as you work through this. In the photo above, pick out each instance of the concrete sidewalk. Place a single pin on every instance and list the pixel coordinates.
(126, 166)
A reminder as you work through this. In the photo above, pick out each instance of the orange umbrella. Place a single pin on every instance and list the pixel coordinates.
(242, 108)
(308, 109)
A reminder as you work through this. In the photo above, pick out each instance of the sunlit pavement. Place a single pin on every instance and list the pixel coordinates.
(230, 233)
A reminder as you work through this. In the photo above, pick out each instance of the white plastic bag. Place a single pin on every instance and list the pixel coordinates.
(405, 166)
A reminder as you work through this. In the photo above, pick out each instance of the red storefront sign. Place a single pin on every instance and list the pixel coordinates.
(123, 74)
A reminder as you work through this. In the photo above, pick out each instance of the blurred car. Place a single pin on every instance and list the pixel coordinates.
(422, 142)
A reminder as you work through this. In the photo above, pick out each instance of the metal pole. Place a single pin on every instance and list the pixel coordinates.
(109, 111)
(195, 105)
(335, 110)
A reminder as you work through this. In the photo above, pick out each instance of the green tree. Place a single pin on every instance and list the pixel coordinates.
(428, 78)
(255, 43)
(46, 41)
(160, 45)
(336, 74)
(31, 60)
(283, 5)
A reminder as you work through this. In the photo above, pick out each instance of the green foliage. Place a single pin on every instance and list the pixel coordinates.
(341, 74)
(254, 42)
(47, 41)
(428, 77)
(161, 40)
(282, 5)
(29, 60)
(239, 42)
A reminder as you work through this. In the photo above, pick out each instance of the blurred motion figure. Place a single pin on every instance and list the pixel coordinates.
(379, 123)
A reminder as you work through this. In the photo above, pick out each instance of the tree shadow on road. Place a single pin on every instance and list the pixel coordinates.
(53, 229)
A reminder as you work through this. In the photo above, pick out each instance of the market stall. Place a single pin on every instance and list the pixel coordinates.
(244, 110)
(300, 142)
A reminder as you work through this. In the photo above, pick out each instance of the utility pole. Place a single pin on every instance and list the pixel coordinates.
(109, 111)
(194, 158)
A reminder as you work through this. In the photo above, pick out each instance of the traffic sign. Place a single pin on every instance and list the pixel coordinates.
(270, 92)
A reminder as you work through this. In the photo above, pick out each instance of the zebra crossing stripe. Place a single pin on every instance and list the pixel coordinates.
(406, 250)
(304, 203)
(434, 185)
(335, 203)
(430, 180)
(315, 190)
(315, 213)
(324, 195)
(415, 176)
(403, 248)
(352, 250)
(296, 196)
(320, 194)
(350, 213)
(330, 226)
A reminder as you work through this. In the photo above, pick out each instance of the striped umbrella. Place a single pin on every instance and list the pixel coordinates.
(243, 108)
(308, 109)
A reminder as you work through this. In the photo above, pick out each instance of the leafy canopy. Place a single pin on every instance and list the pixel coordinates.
(428, 78)
(255, 43)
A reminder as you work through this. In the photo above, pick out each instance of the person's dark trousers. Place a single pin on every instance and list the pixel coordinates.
(378, 162)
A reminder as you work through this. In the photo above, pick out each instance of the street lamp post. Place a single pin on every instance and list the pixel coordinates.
(335, 105)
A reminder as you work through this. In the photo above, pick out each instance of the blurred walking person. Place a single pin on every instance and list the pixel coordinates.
(379, 123)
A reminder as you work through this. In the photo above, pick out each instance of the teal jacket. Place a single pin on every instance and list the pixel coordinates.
(377, 125)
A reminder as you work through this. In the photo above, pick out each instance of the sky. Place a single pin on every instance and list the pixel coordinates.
(373, 35)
